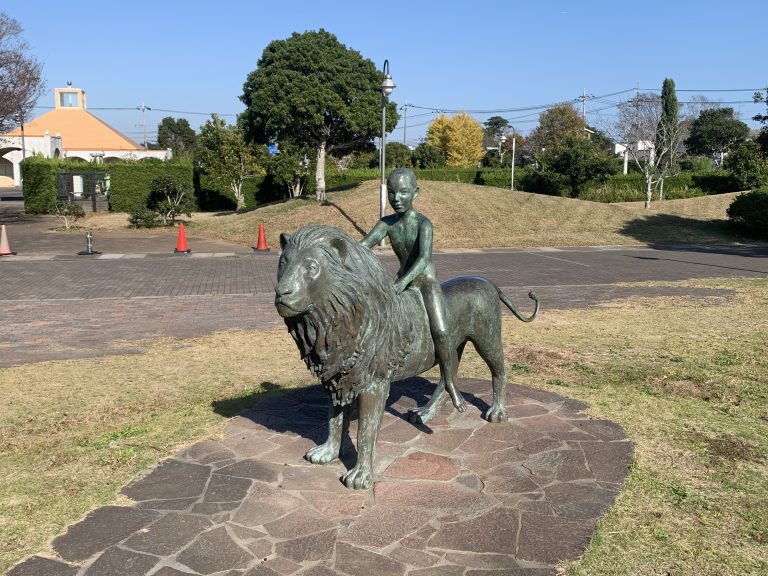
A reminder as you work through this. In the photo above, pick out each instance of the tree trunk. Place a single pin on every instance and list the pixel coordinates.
(661, 189)
(648, 191)
(237, 190)
(320, 173)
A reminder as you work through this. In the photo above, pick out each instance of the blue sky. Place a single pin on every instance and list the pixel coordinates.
(194, 56)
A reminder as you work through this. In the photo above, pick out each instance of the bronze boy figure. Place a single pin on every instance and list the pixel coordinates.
(410, 233)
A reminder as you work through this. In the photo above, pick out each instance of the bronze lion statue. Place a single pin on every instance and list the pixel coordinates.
(356, 334)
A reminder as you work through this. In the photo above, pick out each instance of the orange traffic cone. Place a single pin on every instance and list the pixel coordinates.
(261, 246)
(181, 244)
(5, 249)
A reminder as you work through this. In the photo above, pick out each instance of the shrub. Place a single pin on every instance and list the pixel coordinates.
(142, 217)
(68, 213)
(748, 166)
(169, 197)
(749, 213)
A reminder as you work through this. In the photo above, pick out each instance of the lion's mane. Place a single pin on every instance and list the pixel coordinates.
(358, 333)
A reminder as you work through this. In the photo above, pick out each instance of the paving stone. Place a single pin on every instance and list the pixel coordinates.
(486, 460)
(510, 479)
(250, 444)
(39, 566)
(118, 562)
(415, 558)
(526, 410)
(245, 534)
(546, 423)
(265, 504)
(398, 431)
(512, 433)
(318, 571)
(308, 548)
(576, 501)
(487, 561)
(254, 469)
(100, 529)
(291, 453)
(261, 571)
(601, 429)
(443, 441)
(334, 506)
(261, 548)
(174, 504)
(168, 535)
(609, 461)
(431, 496)
(214, 551)
(172, 479)
(536, 543)
(535, 394)
(207, 452)
(214, 509)
(282, 565)
(357, 561)
(544, 444)
(445, 570)
(562, 465)
(299, 523)
(471, 481)
(424, 466)
(222, 488)
(315, 478)
(494, 531)
(168, 571)
(383, 525)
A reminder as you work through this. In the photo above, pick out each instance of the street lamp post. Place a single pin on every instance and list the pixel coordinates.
(387, 85)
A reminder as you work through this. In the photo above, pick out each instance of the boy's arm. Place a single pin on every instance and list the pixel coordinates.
(422, 261)
(377, 234)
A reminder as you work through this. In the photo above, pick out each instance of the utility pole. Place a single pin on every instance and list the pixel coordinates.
(512, 177)
(144, 120)
(404, 108)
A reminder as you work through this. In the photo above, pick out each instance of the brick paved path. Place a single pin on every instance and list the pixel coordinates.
(74, 306)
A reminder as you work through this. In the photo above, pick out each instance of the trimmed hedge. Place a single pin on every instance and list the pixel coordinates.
(130, 181)
(39, 189)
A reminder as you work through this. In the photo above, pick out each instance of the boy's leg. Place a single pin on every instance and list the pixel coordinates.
(433, 301)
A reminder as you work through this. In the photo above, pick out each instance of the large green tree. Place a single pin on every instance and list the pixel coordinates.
(555, 125)
(580, 160)
(225, 156)
(715, 132)
(495, 128)
(21, 76)
(312, 89)
(176, 134)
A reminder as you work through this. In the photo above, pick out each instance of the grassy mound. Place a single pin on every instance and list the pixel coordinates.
(468, 216)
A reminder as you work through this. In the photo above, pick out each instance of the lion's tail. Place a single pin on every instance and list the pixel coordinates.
(508, 303)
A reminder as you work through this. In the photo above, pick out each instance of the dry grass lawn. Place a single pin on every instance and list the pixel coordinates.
(687, 380)
(468, 216)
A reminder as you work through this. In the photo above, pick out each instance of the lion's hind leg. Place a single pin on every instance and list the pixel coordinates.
(425, 413)
(492, 352)
(338, 420)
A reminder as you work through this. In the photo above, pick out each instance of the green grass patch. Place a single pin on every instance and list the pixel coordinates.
(686, 379)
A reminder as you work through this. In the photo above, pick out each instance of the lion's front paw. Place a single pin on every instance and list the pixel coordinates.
(359, 478)
(322, 454)
(496, 414)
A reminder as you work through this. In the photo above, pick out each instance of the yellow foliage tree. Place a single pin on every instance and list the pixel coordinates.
(460, 138)
(437, 132)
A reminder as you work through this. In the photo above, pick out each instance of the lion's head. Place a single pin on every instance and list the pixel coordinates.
(341, 308)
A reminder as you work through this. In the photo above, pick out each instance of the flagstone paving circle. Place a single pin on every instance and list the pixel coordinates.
(457, 496)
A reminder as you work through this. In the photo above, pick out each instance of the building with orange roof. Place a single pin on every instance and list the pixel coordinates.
(67, 131)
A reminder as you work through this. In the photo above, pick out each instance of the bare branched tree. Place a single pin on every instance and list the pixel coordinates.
(21, 80)
(651, 143)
